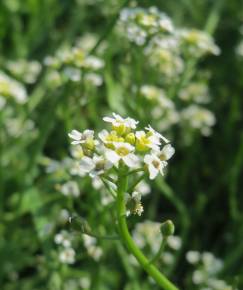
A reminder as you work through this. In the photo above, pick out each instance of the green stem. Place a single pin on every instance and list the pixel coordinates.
(160, 251)
(128, 241)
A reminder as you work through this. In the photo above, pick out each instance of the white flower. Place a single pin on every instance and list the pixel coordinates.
(67, 256)
(93, 62)
(168, 258)
(79, 137)
(118, 121)
(174, 242)
(143, 141)
(70, 188)
(94, 166)
(86, 165)
(133, 203)
(63, 238)
(166, 153)
(155, 165)
(143, 188)
(122, 151)
(193, 257)
(156, 135)
(94, 79)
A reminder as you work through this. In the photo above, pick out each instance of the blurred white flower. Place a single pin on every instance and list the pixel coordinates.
(117, 121)
(70, 188)
(193, 257)
(63, 238)
(174, 242)
(67, 256)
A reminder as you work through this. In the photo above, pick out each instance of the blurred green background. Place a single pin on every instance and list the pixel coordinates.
(66, 64)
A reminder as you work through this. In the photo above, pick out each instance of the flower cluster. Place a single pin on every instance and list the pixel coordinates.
(26, 71)
(67, 253)
(141, 24)
(177, 93)
(205, 276)
(73, 65)
(123, 144)
(147, 236)
(10, 88)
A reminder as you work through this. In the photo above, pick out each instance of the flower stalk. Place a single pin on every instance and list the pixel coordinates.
(160, 279)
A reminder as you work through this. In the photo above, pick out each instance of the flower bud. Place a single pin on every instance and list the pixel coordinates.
(89, 144)
(120, 130)
(167, 228)
(130, 138)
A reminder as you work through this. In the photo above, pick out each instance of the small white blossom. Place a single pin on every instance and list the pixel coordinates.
(94, 166)
(133, 203)
(67, 256)
(174, 242)
(124, 152)
(155, 165)
(79, 137)
(118, 121)
(70, 188)
(193, 257)
(156, 135)
(167, 152)
(63, 238)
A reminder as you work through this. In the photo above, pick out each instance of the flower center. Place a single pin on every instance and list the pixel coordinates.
(100, 165)
(122, 151)
(156, 164)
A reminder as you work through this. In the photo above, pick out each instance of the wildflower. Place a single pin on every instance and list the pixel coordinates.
(91, 245)
(70, 188)
(148, 233)
(67, 256)
(174, 242)
(156, 136)
(166, 153)
(63, 238)
(143, 188)
(193, 257)
(123, 151)
(155, 165)
(94, 166)
(93, 79)
(134, 205)
(93, 62)
(109, 138)
(145, 142)
(80, 138)
(12, 88)
(121, 125)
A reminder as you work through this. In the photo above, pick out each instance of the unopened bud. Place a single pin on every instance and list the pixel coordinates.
(167, 228)
(130, 138)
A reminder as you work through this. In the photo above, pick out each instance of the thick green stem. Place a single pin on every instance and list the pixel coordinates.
(128, 241)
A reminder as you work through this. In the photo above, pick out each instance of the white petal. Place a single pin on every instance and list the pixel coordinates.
(88, 134)
(75, 134)
(118, 117)
(103, 134)
(153, 172)
(86, 164)
(148, 158)
(108, 119)
(131, 160)
(168, 151)
(112, 157)
(76, 142)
